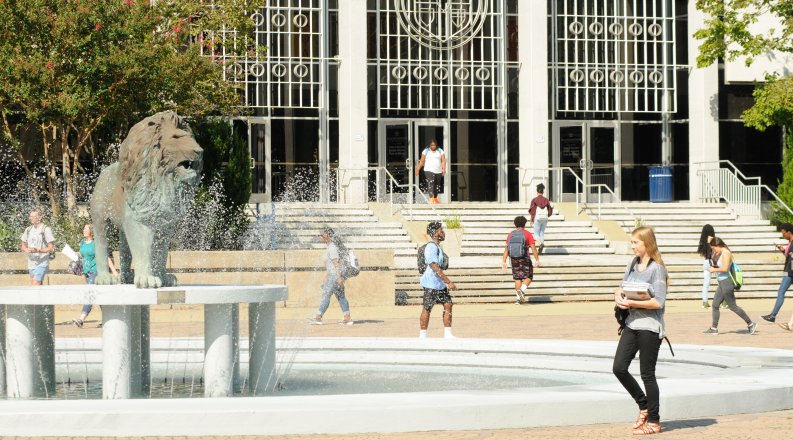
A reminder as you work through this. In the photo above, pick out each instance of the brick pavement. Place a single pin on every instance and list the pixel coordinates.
(591, 321)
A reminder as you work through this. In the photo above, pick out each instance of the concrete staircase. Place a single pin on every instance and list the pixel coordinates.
(299, 225)
(585, 279)
(678, 225)
(486, 225)
(578, 264)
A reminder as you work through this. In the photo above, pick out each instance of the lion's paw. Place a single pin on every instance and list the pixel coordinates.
(169, 280)
(105, 279)
(147, 281)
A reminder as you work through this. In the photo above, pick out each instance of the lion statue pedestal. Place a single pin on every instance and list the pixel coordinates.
(145, 195)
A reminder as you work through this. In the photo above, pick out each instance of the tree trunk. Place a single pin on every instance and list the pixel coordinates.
(67, 171)
(49, 166)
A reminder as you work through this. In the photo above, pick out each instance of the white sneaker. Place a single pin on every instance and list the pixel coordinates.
(520, 295)
(314, 320)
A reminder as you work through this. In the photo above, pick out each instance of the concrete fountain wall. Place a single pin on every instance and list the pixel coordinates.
(26, 321)
(300, 270)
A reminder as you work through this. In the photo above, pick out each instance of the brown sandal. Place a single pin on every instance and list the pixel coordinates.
(648, 429)
(641, 420)
(784, 326)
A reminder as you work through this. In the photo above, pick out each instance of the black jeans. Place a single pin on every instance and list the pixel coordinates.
(647, 344)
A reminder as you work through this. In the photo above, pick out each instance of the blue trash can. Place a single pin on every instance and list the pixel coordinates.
(661, 184)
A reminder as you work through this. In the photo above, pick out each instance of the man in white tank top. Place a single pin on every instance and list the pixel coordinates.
(434, 162)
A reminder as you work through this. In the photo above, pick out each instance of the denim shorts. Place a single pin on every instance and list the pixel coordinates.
(38, 272)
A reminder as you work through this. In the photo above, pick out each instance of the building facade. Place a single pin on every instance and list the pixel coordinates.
(565, 92)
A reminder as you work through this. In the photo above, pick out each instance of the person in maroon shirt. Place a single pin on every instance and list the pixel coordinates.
(522, 269)
(539, 212)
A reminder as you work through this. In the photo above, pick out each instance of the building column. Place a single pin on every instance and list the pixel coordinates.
(533, 100)
(703, 106)
(352, 77)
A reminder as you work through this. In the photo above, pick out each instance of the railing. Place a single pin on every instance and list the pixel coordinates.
(717, 184)
(581, 188)
(381, 174)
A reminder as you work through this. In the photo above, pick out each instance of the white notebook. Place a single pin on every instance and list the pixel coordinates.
(636, 290)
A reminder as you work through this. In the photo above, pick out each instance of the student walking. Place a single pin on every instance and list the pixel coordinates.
(38, 242)
(726, 290)
(787, 233)
(644, 329)
(88, 258)
(519, 242)
(435, 283)
(706, 252)
(539, 211)
(333, 284)
(434, 163)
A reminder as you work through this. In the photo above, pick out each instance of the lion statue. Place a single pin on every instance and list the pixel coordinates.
(145, 195)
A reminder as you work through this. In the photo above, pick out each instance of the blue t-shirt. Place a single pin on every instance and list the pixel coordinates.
(88, 253)
(430, 279)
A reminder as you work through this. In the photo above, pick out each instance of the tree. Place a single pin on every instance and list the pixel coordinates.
(69, 66)
(729, 34)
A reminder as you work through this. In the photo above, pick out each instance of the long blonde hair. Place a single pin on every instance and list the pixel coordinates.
(647, 235)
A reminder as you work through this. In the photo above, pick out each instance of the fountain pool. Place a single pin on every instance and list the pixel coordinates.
(576, 388)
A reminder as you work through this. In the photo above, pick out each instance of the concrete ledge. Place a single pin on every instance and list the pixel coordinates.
(301, 270)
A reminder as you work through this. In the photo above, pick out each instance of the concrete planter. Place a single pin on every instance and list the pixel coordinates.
(454, 242)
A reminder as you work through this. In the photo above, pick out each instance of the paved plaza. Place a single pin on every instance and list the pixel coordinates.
(582, 321)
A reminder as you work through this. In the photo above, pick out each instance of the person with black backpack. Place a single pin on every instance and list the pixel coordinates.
(39, 243)
(435, 283)
(519, 242)
(336, 257)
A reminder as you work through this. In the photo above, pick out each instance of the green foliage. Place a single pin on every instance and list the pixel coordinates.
(453, 222)
(785, 188)
(729, 32)
(211, 223)
(237, 177)
(773, 104)
(69, 67)
(9, 237)
(226, 159)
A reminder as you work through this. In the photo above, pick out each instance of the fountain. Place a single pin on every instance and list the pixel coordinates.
(329, 385)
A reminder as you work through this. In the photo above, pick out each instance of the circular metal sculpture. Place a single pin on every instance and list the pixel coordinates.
(441, 24)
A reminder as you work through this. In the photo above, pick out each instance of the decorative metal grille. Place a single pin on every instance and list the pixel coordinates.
(614, 56)
(440, 54)
(290, 74)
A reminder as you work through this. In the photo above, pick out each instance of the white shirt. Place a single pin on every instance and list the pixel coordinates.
(432, 160)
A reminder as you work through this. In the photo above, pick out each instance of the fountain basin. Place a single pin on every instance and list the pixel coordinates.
(701, 381)
(27, 364)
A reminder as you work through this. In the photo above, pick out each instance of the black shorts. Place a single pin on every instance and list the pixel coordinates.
(522, 269)
(432, 297)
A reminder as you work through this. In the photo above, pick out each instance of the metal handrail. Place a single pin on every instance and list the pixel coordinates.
(393, 183)
(729, 185)
(579, 182)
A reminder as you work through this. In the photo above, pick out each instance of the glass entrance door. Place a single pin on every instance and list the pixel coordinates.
(259, 144)
(401, 145)
(588, 149)
(396, 155)
(426, 133)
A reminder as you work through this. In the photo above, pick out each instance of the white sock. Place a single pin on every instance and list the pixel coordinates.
(447, 332)
(422, 334)
(523, 288)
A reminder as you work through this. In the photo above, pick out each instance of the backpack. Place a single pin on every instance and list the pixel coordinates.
(736, 275)
(75, 267)
(541, 213)
(348, 263)
(516, 244)
(51, 254)
(422, 264)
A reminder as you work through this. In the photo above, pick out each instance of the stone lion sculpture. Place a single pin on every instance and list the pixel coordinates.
(145, 195)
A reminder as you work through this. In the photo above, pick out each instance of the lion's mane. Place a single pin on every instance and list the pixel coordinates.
(148, 160)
